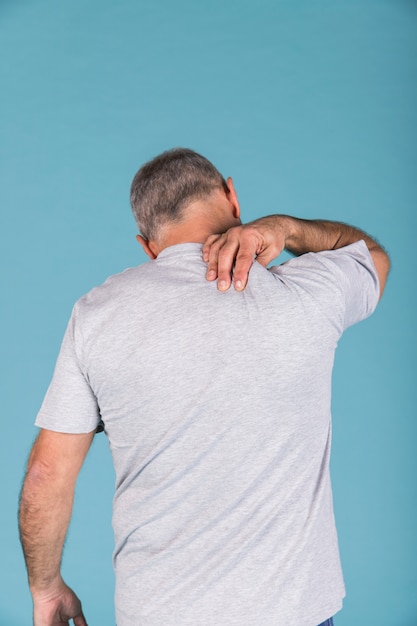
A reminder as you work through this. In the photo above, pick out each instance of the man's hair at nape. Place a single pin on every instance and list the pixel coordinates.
(164, 186)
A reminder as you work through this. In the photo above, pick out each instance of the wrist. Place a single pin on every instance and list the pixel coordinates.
(288, 228)
(46, 589)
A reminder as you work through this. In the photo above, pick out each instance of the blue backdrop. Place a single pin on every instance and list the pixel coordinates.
(311, 106)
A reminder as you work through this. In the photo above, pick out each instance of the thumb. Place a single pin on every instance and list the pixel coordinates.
(268, 254)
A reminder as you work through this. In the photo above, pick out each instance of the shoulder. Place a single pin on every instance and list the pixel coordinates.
(330, 265)
(115, 286)
(344, 279)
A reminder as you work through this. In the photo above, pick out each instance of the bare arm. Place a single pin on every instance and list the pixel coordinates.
(267, 237)
(45, 512)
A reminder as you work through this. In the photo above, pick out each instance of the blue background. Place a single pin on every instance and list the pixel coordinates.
(311, 107)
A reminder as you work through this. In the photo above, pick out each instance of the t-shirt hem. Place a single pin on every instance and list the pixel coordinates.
(49, 423)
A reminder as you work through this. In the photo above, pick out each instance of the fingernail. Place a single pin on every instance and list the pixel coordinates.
(238, 285)
(211, 274)
(222, 285)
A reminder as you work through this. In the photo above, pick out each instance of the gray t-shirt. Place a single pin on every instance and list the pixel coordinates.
(217, 409)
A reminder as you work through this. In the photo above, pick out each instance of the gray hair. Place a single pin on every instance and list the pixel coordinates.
(164, 186)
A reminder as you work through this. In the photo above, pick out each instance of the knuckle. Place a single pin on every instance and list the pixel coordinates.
(245, 255)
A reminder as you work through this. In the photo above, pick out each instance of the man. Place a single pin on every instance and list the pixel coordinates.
(216, 403)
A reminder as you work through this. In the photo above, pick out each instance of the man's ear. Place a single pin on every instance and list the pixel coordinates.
(148, 247)
(232, 196)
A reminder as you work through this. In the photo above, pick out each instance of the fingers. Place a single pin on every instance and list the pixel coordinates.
(80, 620)
(207, 246)
(230, 254)
(243, 263)
(210, 255)
(220, 259)
(226, 258)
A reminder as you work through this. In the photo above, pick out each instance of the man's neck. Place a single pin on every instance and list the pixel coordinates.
(193, 234)
(204, 218)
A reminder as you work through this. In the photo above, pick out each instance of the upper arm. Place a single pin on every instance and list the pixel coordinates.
(70, 405)
(59, 456)
(343, 282)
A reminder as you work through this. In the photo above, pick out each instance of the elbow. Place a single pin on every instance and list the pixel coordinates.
(383, 271)
(39, 471)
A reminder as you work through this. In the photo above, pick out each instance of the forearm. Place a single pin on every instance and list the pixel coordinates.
(46, 504)
(302, 236)
(45, 511)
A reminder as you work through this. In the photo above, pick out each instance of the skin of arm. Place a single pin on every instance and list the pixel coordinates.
(44, 515)
(233, 251)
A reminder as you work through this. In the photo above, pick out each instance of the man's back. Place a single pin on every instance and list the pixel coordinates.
(217, 409)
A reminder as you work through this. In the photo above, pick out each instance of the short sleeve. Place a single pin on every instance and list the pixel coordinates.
(344, 281)
(70, 405)
(359, 281)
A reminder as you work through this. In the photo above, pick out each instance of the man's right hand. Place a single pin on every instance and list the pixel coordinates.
(57, 608)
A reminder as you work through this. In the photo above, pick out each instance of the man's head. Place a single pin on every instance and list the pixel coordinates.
(164, 190)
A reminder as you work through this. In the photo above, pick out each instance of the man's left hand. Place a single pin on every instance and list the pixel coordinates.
(232, 253)
(58, 608)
